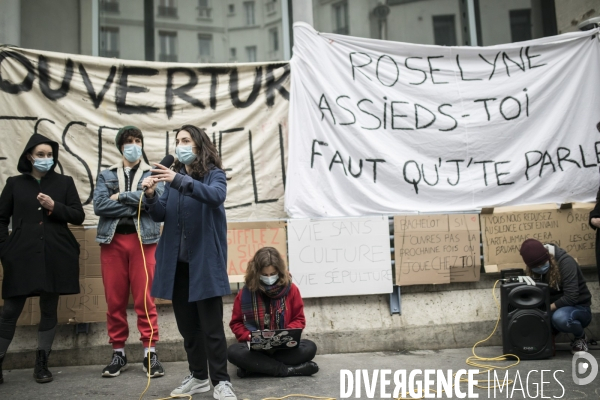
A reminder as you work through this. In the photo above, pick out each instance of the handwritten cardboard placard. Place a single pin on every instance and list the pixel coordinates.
(244, 239)
(506, 228)
(436, 248)
(579, 239)
(340, 257)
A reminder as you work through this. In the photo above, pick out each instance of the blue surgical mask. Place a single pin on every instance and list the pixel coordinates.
(132, 152)
(269, 280)
(185, 154)
(43, 164)
(542, 269)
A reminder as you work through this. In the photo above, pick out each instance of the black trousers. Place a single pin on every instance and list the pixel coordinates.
(274, 364)
(13, 307)
(201, 325)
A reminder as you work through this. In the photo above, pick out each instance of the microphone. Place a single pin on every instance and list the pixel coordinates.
(166, 162)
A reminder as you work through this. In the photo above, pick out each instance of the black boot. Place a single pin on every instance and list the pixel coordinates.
(40, 372)
(304, 369)
(1, 377)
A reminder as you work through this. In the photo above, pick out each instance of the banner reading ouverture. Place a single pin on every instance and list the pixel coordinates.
(82, 101)
(385, 127)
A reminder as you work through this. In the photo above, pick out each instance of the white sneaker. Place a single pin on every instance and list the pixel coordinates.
(190, 386)
(224, 391)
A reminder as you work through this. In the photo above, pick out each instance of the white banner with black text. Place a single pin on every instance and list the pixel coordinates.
(382, 127)
(81, 102)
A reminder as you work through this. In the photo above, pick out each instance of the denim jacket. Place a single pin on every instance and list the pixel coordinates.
(111, 181)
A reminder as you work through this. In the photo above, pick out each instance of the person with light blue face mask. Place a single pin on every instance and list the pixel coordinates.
(570, 297)
(43, 164)
(270, 301)
(40, 258)
(191, 258)
(132, 152)
(116, 201)
(185, 154)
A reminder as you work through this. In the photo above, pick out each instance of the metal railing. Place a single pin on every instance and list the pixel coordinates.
(167, 57)
(270, 6)
(166, 11)
(204, 12)
(109, 6)
(109, 53)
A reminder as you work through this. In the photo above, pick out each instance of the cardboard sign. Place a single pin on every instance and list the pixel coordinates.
(579, 239)
(340, 257)
(506, 228)
(436, 248)
(244, 239)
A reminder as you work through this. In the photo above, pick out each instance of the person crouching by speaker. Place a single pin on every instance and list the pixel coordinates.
(569, 295)
(116, 202)
(269, 291)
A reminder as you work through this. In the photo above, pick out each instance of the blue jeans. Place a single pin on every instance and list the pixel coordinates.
(572, 319)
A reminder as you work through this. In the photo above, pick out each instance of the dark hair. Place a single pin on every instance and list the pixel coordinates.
(207, 156)
(133, 132)
(554, 277)
(263, 258)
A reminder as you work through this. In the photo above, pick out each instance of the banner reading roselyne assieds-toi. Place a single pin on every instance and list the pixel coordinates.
(385, 127)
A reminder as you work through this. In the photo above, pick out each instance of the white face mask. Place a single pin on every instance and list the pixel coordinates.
(269, 280)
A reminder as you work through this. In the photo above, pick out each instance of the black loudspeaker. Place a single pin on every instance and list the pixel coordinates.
(526, 320)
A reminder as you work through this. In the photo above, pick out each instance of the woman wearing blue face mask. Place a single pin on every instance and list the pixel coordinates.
(41, 256)
(570, 297)
(269, 300)
(191, 258)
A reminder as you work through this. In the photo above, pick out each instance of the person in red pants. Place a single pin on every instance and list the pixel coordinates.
(116, 200)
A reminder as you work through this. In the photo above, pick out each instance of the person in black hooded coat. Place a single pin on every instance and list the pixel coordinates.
(41, 256)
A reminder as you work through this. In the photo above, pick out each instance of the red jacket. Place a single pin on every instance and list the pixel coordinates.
(294, 315)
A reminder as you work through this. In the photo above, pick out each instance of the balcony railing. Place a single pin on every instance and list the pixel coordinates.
(343, 30)
(205, 12)
(167, 57)
(206, 59)
(109, 6)
(109, 53)
(166, 11)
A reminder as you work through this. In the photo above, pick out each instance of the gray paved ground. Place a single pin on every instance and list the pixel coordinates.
(86, 382)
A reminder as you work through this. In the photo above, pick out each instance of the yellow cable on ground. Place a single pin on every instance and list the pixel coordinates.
(474, 359)
(146, 308)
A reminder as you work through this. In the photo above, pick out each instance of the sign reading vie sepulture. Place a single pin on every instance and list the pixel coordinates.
(82, 101)
(382, 127)
(340, 257)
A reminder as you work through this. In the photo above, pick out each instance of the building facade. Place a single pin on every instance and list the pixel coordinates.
(225, 31)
